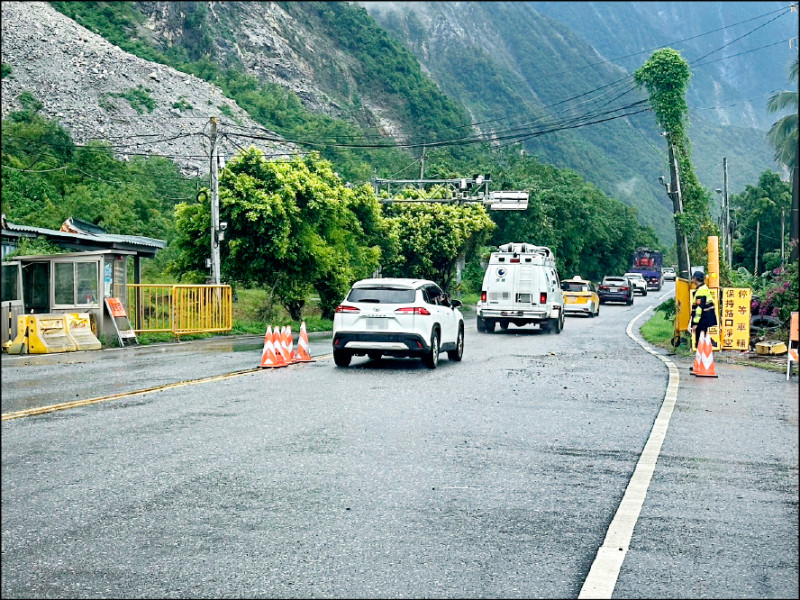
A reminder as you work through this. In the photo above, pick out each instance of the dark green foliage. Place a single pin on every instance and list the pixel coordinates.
(590, 234)
(38, 246)
(765, 203)
(46, 179)
(6, 70)
(138, 97)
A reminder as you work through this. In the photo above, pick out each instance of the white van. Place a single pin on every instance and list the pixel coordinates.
(521, 286)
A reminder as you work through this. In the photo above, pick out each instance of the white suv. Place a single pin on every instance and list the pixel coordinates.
(397, 317)
(638, 281)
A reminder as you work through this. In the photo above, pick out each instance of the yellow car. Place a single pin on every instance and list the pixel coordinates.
(580, 297)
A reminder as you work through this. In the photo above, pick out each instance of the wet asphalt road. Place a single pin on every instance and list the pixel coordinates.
(494, 477)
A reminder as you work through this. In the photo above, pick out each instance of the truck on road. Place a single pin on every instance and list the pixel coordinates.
(648, 262)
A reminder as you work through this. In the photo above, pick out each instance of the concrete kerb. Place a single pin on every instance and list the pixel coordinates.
(185, 346)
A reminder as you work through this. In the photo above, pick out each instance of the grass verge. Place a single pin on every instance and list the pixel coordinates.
(658, 331)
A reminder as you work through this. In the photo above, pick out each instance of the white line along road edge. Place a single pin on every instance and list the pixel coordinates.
(605, 569)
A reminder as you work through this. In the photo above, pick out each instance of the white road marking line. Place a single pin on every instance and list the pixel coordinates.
(603, 574)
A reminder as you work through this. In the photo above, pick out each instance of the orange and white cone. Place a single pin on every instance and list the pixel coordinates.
(280, 349)
(704, 358)
(268, 358)
(303, 353)
(288, 343)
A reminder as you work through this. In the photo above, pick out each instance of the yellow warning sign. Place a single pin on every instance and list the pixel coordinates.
(735, 323)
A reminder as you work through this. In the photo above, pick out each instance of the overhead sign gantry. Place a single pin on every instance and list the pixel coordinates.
(474, 190)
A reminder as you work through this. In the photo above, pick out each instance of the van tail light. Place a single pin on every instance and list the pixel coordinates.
(514, 260)
(350, 310)
(543, 298)
(413, 310)
(483, 296)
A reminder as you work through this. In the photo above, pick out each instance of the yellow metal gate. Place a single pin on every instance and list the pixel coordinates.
(180, 309)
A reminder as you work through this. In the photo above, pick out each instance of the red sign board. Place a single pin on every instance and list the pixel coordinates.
(116, 308)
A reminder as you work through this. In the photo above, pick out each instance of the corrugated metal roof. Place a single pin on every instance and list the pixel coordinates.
(136, 240)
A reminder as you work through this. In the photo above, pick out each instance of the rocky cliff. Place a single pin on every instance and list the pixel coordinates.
(98, 91)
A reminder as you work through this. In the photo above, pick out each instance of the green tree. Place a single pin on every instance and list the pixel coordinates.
(293, 226)
(433, 236)
(666, 77)
(764, 204)
(784, 137)
(590, 234)
(783, 133)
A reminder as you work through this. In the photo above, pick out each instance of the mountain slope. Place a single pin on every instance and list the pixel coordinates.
(527, 65)
(738, 70)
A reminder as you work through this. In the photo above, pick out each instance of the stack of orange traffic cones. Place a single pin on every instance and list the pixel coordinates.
(303, 353)
(704, 358)
(269, 358)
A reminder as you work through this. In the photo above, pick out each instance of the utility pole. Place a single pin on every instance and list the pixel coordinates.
(794, 217)
(674, 192)
(783, 234)
(758, 232)
(727, 238)
(214, 205)
(422, 166)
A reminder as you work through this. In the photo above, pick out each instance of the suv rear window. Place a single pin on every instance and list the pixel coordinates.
(382, 295)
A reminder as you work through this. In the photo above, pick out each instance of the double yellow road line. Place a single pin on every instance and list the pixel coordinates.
(41, 410)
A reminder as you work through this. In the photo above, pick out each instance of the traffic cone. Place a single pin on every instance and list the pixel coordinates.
(268, 358)
(288, 343)
(704, 358)
(280, 349)
(303, 353)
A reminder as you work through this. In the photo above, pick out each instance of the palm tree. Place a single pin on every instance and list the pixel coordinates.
(783, 133)
(784, 138)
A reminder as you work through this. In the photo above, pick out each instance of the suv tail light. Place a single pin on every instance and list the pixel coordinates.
(344, 308)
(625, 288)
(413, 310)
(543, 298)
(483, 296)
(603, 287)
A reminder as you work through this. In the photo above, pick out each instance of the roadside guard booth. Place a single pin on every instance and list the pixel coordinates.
(74, 284)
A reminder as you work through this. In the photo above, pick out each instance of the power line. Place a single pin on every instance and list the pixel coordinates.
(708, 62)
(783, 10)
(742, 36)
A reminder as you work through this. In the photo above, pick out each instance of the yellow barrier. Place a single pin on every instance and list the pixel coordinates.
(180, 309)
(42, 334)
(79, 328)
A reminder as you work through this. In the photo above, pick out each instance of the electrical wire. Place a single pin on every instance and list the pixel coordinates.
(783, 10)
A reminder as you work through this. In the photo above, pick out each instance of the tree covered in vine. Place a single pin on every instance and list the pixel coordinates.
(666, 77)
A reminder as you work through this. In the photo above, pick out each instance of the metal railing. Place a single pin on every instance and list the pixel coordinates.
(179, 309)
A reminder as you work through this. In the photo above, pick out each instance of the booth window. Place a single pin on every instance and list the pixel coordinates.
(76, 283)
(11, 282)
